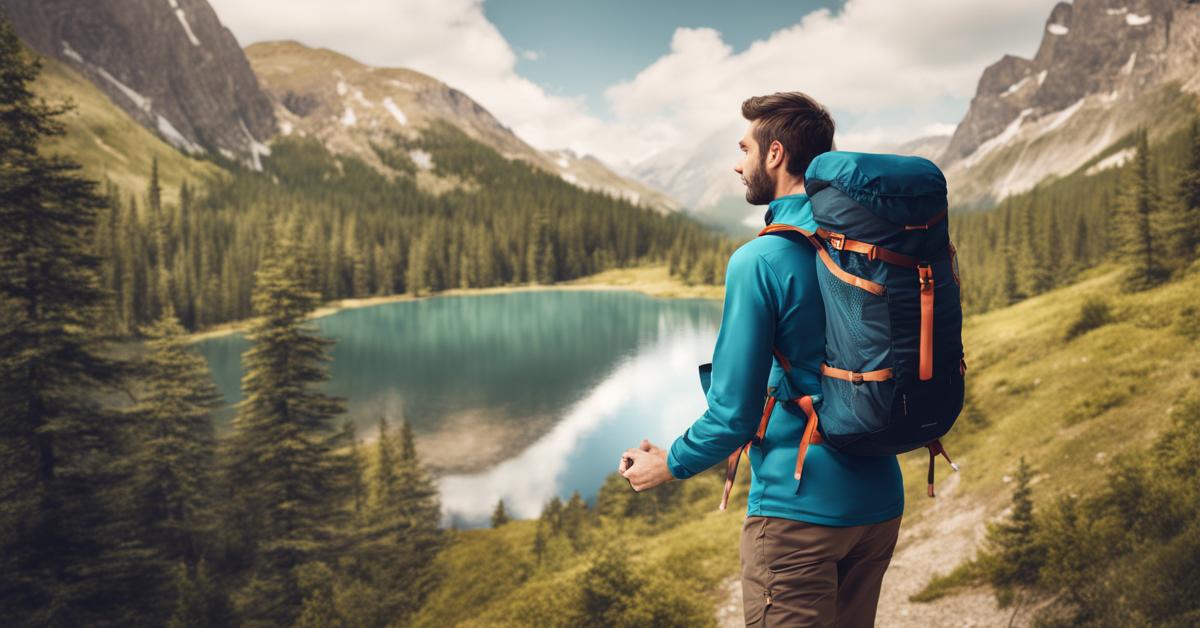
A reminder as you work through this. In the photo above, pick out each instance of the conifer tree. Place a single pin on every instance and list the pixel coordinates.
(1014, 546)
(1185, 223)
(67, 552)
(499, 516)
(175, 445)
(1140, 249)
(284, 451)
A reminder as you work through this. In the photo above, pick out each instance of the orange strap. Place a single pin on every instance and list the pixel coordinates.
(840, 242)
(857, 378)
(809, 430)
(811, 436)
(925, 275)
(837, 271)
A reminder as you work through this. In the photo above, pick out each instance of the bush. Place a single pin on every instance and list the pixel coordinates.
(1094, 313)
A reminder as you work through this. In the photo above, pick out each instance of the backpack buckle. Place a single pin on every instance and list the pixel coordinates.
(856, 378)
(837, 240)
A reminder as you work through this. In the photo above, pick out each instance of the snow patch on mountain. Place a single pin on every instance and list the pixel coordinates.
(1127, 69)
(257, 148)
(423, 159)
(187, 28)
(1010, 132)
(1057, 29)
(70, 53)
(348, 118)
(1064, 115)
(175, 138)
(1041, 77)
(1114, 160)
(1120, 11)
(390, 105)
(1134, 19)
(141, 101)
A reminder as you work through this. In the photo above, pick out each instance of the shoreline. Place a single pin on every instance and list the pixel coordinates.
(652, 281)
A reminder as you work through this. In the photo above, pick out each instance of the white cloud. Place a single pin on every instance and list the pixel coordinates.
(531, 55)
(885, 68)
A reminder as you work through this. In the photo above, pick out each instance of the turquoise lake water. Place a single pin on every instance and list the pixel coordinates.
(565, 379)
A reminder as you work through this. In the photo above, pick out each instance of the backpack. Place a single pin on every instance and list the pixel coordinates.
(892, 380)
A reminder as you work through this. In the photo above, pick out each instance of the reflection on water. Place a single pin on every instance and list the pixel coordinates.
(599, 369)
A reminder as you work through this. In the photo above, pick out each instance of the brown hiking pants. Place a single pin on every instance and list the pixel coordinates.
(802, 574)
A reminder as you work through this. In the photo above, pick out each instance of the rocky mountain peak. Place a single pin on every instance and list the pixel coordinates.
(170, 64)
(1084, 89)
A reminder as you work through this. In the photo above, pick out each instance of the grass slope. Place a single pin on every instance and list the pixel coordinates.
(108, 143)
(1068, 405)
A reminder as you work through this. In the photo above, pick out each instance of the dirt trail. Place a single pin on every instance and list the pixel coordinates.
(944, 535)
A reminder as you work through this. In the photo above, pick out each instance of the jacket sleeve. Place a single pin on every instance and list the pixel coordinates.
(741, 365)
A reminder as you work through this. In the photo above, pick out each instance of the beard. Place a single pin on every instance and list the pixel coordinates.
(760, 189)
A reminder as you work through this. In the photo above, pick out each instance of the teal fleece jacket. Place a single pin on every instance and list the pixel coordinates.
(772, 300)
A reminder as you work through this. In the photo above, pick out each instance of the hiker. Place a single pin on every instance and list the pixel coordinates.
(813, 552)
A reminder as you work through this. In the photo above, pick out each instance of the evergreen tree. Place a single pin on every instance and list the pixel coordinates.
(174, 452)
(1016, 553)
(68, 553)
(200, 602)
(1185, 223)
(499, 516)
(284, 450)
(1140, 249)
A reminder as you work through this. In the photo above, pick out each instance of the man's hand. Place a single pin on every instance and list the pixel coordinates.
(645, 467)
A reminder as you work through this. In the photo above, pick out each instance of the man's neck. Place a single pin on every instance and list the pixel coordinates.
(787, 185)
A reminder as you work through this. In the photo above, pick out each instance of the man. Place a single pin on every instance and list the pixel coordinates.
(813, 552)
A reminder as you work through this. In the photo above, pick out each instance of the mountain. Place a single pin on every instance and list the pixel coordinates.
(134, 51)
(1104, 68)
(350, 107)
(109, 144)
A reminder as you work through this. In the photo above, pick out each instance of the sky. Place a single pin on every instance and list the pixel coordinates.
(628, 80)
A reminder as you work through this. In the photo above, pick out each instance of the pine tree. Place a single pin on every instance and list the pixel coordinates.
(68, 553)
(200, 602)
(1185, 222)
(175, 446)
(1140, 249)
(400, 536)
(284, 450)
(499, 516)
(1015, 551)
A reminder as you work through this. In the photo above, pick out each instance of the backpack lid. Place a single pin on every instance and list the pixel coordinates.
(901, 189)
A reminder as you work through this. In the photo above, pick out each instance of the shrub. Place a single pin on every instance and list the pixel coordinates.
(1094, 313)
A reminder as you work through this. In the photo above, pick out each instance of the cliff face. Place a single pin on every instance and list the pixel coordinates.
(1103, 68)
(170, 64)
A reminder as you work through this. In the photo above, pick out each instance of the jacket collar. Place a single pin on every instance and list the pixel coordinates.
(793, 209)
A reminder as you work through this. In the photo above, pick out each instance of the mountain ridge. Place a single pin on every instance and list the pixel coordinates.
(215, 107)
(349, 106)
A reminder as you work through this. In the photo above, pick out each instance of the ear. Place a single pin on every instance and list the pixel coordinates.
(775, 154)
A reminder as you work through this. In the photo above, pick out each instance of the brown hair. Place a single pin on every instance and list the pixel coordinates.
(801, 125)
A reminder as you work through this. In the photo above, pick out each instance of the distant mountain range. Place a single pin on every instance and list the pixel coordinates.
(175, 69)
(1104, 68)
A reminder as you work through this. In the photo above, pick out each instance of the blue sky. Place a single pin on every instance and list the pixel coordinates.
(632, 81)
(580, 48)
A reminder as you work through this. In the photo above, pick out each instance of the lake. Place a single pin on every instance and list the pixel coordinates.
(522, 395)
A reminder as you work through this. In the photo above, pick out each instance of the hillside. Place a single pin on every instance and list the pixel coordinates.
(351, 107)
(184, 76)
(1062, 404)
(111, 145)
